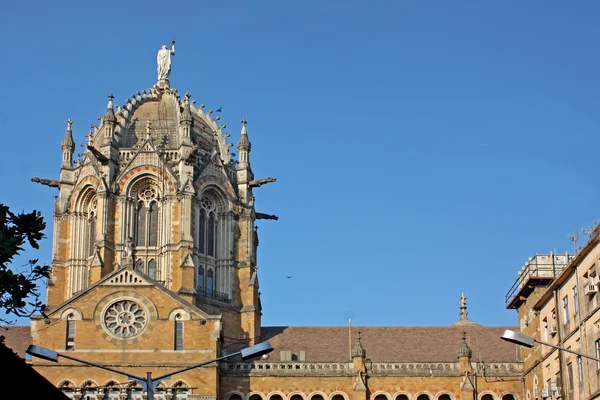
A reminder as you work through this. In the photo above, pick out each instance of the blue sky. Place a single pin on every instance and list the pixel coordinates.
(422, 149)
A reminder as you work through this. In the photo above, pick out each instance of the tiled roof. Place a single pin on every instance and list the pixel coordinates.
(17, 338)
(391, 344)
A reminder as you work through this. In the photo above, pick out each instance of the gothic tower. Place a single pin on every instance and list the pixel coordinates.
(156, 199)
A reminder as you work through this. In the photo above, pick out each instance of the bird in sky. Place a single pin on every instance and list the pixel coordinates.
(288, 276)
(219, 109)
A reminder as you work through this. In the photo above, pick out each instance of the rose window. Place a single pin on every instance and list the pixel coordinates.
(125, 319)
(207, 203)
(147, 194)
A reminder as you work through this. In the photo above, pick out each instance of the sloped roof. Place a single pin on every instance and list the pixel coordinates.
(16, 338)
(391, 344)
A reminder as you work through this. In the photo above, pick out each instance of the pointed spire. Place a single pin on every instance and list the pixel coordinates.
(358, 350)
(244, 143)
(109, 115)
(463, 320)
(186, 115)
(68, 140)
(464, 350)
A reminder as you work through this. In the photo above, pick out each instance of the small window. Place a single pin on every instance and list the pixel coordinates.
(575, 301)
(70, 343)
(580, 369)
(178, 333)
(597, 344)
(570, 376)
(566, 308)
(152, 269)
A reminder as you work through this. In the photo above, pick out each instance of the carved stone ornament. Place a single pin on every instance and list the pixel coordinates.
(125, 319)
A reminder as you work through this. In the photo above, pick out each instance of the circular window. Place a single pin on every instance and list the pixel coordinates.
(125, 319)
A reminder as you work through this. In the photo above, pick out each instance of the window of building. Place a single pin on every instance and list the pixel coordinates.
(91, 219)
(152, 269)
(444, 397)
(70, 342)
(178, 333)
(575, 301)
(580, 370)
(545, 324)
(423, 397)
(210, 280)
(402, 397)
(597, 344)
(201, 279)
(146, 232)
(566, 308)
(508, 397)
(570, 376)
(207, 227)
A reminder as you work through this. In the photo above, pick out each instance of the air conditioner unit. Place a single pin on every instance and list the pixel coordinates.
(545, 393)
(590, 289)
(553, 330)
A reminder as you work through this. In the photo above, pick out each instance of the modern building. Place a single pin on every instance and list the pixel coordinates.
(154, 269)
(556, 297)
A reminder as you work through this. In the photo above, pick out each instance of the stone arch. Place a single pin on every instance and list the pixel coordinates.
(423, 395)
(379, 393)
(72, 313)
(254, 395)
(509, 395)
(297, 396)
(184, 315)
(487, 395)
(313, 395)
(271, 396)
(445, 395)
(89, 382)
(213, 184)
(339, 393)
(401, 395)
(234, 394)
(146, 171)
(66, 383)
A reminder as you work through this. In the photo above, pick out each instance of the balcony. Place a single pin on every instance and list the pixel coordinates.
(538, 271)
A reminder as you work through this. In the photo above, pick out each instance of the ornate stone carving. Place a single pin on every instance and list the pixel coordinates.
(125, 319)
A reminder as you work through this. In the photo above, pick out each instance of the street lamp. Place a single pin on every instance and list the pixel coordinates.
(528, 341)
(148, 383)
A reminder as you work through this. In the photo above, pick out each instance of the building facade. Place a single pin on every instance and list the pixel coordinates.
(556, 297)
(154, 269)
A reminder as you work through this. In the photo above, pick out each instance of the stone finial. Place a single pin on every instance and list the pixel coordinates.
(463, 320)
(244, 143)
(358, 350)
(68, 141)
(464, 350)
(109, 115)
(89, 137)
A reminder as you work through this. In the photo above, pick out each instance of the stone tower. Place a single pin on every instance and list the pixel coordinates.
(158, 191)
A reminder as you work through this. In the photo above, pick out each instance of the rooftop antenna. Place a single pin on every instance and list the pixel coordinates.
(574, 237)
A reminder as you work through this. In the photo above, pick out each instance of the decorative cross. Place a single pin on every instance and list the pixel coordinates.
(244, 122)
(111, 97)
(69, 123)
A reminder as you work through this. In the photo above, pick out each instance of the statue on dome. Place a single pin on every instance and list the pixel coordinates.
(163, 59)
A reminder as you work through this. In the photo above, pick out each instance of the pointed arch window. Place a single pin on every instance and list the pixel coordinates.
(207, 227)
(210, 280)
(146, 229)
(201, 279)
(92, 211)
(152, 269)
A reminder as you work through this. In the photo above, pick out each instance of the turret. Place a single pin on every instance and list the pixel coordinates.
(109, 120)
(244, 147)
(185, 121)
(68, 147)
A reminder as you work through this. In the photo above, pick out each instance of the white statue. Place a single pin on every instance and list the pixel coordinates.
(163, 59)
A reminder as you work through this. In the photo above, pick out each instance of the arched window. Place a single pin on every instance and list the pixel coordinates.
(152, 269)
(146, 230)
(201, 285)
(209, 280)
(402, 397)
(380, 397)
(296, 397)
(153, 225)
(276, 397)
(180, 391)
(338, 397)
(444, 396)
(235, 396)
(178, 333)
(487, 397)
(92, 211)
(207, 227)
(140, 231)
(508, 396)
(316, 397)
(255, 397)
(139, 265)
(423, 397)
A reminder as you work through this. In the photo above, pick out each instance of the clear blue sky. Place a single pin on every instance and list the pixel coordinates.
(422, 148)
